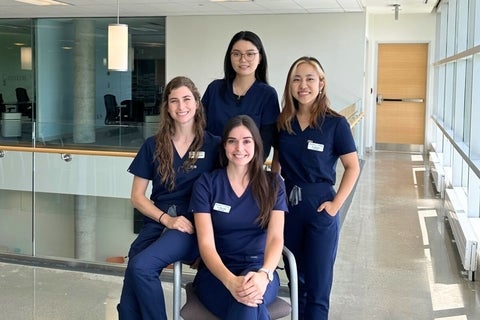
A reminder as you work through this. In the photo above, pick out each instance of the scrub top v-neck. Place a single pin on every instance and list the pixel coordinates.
(145, 166)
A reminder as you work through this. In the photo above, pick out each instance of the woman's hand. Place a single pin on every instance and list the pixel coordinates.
(330, 207)
(249, 289)
(179, 223)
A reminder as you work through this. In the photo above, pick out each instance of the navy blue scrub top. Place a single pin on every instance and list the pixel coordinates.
(220, 103)
(310, 156)
(237, 235)
(144, 166)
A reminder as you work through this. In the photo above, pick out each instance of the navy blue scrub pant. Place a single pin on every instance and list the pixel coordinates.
(155, 248)
(216, 297)
(313, 239)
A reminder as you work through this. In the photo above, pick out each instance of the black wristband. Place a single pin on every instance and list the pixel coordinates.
(160, 218)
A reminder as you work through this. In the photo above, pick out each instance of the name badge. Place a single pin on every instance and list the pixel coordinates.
(221, 207)
(200, 154)
(315, 146)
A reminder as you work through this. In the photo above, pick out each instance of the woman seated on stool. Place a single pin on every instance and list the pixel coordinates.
(239, 214)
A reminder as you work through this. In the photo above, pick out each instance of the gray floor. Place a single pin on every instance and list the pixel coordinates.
(396, 260)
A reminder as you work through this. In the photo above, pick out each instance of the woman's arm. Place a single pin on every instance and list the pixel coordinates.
(140, 201)
(211, 258)
(349, 177)
(255, 283)
(148, 208)
(275, 167)
(274, 243)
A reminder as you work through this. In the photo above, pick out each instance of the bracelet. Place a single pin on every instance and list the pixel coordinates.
(160, 218)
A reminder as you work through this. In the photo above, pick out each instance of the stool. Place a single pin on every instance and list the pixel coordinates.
(193, 309)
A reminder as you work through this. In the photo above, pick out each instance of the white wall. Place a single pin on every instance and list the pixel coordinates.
(196, 47)
(409, 28)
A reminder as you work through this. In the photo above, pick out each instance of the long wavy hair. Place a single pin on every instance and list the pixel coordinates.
(261, 71)
(263, 184)
(164, 146)
(321, 105)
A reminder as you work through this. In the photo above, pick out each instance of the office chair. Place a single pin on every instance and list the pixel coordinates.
(112, 115)
(3, 107)
(23, 102)
(194, 310)
(138, 110)
(126, 110)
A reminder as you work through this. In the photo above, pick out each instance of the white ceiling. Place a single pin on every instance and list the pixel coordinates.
(139, 8)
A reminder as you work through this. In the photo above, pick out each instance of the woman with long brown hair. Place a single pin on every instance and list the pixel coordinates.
(172, 160)
(239, 213)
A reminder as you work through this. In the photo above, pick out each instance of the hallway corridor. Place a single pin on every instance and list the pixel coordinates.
(396, 261)
(396, 258)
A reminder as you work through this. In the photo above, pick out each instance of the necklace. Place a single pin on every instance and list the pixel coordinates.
(240, 93)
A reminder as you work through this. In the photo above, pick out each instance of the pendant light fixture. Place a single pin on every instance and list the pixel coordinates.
(26, 58)
(118, 44)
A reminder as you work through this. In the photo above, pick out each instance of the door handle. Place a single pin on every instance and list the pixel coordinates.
(381, 99)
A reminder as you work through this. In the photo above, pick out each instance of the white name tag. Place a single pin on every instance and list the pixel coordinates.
(200, 154)
(221, 207)
(315, 146)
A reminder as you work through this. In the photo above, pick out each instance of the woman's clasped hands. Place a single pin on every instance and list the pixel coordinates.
(249, 289)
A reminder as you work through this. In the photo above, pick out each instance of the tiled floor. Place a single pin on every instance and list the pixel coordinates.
(396, 260)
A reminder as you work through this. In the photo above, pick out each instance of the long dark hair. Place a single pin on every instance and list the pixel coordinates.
(163, 138)
(261, 71)
(321, 105)
(263, 184)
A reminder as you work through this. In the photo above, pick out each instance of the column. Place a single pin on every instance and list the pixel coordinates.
(85, 227)
(84, 82)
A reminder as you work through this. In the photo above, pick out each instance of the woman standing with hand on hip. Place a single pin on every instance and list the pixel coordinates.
(172, 159)
(243, 90)
(312, 138)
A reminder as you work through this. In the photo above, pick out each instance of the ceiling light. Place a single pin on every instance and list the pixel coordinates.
(26, 58)
(118, 45)
(231, 0)
(44, 2)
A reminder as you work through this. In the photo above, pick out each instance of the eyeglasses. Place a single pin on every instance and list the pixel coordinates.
(249, 55)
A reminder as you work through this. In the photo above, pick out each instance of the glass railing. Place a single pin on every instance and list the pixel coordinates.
(64, 199)
(67, 199)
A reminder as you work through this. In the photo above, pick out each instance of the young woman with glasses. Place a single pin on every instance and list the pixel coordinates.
(243, 90)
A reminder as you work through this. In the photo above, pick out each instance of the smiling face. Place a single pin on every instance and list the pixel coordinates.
(182, 105)
(306, 83)
(244, 57)
(239, 146)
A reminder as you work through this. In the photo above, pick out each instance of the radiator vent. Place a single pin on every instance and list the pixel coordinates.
(438, 174)
(465, 238)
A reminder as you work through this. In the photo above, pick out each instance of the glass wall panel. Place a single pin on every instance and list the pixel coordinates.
(459, 99)
(77, 101)
(475, 23)
(17, 90)
(451, 28)
(449, 94)
(16, 202)
(64, 188)
(462, 25)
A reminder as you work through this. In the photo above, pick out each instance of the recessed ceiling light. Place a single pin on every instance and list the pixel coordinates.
(231, 0)
(44, 2)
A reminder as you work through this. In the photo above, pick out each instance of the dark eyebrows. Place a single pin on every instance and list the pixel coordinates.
(243, 138)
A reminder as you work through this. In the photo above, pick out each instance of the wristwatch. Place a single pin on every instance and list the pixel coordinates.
(268, 272)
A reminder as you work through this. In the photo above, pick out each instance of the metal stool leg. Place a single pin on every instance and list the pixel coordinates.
(177, 289)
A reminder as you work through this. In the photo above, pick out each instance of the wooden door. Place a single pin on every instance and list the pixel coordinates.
(401, 93)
